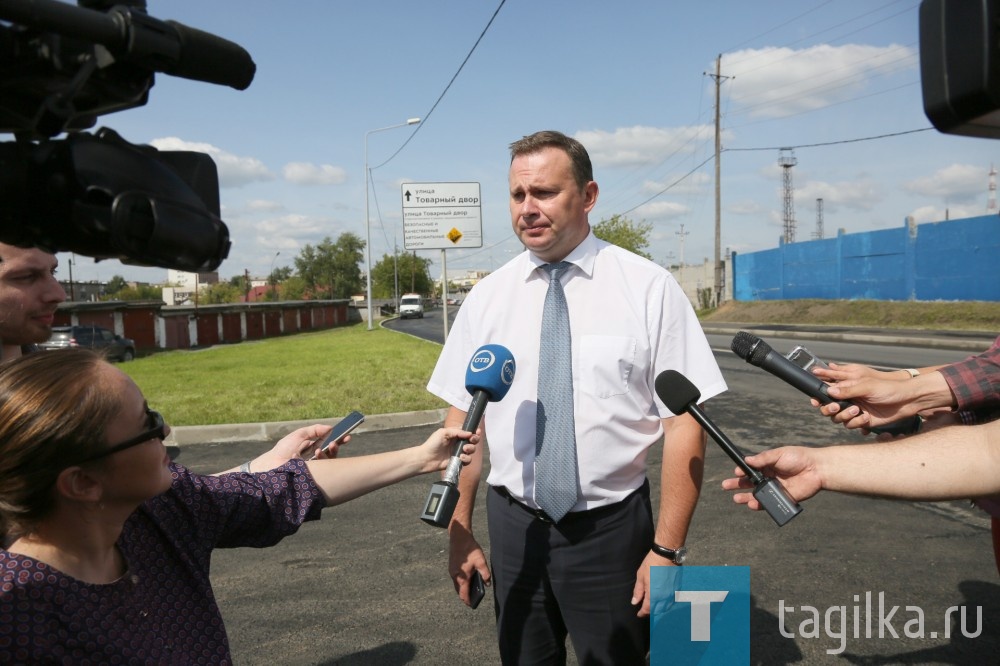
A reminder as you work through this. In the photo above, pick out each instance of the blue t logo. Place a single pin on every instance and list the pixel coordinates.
(699, 615)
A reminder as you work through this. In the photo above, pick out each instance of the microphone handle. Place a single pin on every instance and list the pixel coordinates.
(814, 387)
(472, 418)
(805, 381)
(720, 437)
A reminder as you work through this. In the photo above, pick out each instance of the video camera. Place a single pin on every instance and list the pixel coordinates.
(62, 66)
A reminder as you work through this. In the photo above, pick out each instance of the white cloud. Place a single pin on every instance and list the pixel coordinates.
(263, 205)
(660, 210)
(778, 82)
(862, 195)
(935, 214)
(305, 173)
(234, 171)
(958, 182)
(641, 146)
(745, 207)
(696, 183)
(292, 225)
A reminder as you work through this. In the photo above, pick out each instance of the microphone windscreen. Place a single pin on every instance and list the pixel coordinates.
(676, 391)
(491, 370)
(750, 348)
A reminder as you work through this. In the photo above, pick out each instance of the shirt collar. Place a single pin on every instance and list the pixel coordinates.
(583, 257)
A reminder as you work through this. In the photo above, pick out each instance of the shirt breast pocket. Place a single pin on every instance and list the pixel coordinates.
(606, 363)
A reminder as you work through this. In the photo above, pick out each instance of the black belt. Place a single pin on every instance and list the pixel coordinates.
(572, 515)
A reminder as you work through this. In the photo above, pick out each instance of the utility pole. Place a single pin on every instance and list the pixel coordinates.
(682, 234)
(720, 272)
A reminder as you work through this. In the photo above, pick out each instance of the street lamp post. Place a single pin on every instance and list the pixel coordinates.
(368, 229)
(270, 276)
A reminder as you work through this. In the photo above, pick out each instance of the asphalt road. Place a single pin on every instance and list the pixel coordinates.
(368, 583)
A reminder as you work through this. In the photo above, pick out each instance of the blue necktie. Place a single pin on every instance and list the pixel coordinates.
(555, 435)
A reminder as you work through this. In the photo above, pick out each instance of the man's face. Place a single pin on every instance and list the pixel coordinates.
(29, 294)
(547, 208)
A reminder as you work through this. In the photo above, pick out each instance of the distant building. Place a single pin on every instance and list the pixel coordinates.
(183, 286)
(463, 280)
(83, 291)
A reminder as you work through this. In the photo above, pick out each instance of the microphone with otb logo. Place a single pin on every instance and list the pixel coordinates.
(488, 378)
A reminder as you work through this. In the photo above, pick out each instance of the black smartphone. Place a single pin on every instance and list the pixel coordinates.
(477, 589)
(342, 429)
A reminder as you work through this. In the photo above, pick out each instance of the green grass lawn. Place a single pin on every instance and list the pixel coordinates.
(305, 376)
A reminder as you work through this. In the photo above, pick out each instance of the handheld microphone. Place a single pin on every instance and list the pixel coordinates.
(488, 378)
(680, 395)
(757, 352)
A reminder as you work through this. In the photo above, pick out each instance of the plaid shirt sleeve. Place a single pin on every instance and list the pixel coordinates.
(975, 382)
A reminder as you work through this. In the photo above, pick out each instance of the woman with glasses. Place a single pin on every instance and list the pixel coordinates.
(108, 543)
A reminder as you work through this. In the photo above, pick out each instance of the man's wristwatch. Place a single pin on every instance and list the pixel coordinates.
(677, 556)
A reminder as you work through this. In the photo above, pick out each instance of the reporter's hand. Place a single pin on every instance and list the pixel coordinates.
(439, 447)
(795, 466)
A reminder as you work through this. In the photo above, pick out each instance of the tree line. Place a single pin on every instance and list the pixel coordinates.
(332, 269)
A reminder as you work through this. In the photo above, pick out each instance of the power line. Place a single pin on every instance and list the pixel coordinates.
(427, 115)
(829, 143)
(785, 147)
(671, 185)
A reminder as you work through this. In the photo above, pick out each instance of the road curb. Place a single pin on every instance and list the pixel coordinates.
(971, 344)
(273, 431)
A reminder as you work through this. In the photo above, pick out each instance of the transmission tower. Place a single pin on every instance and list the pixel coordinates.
(786, 160)
(991, 204)
(819, 219)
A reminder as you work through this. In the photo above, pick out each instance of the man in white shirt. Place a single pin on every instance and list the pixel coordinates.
(587, 574)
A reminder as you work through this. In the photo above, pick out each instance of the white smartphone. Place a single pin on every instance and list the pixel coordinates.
(342, 429)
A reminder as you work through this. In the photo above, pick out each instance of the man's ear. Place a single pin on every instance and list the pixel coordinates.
(78, 485)
(590, 192)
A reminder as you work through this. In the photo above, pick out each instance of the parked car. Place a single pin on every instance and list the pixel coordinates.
(92, 337)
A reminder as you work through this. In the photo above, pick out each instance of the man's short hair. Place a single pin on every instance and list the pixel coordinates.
(583, 171)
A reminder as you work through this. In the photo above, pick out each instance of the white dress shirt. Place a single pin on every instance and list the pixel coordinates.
(629, 321)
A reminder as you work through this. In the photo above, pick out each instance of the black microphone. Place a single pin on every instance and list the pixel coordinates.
(210, 58)
(134, 36)
(488, 378)
(757, 352)
(680, 395)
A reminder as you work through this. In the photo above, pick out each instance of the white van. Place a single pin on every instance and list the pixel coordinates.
(411, 305)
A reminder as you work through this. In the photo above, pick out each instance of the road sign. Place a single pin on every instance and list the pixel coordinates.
(442, 216)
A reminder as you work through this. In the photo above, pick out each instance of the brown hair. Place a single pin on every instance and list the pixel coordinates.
(54, 409)
(583, 171)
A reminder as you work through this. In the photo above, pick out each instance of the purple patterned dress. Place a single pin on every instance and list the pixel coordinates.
(162, 610)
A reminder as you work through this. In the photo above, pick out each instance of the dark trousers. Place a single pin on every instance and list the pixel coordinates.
(576, 577)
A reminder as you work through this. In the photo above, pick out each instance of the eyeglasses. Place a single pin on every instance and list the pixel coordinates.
(156, 431)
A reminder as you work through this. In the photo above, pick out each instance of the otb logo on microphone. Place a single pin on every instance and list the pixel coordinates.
(485, 358)
(699, 615)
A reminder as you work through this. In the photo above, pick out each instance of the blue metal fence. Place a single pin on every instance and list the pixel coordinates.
(954, 260)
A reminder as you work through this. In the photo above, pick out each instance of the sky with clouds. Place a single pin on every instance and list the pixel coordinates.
(633, 81)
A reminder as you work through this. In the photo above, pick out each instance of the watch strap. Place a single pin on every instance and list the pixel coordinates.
(669, 553)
